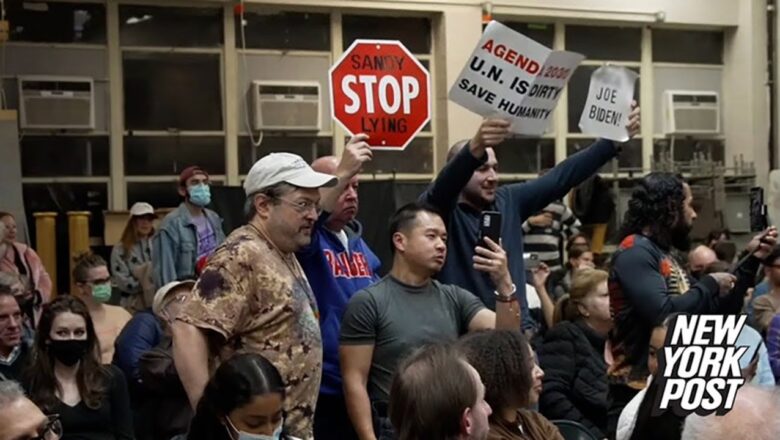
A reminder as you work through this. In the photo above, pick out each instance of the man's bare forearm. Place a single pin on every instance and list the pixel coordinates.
(359, 410)
(191, 357)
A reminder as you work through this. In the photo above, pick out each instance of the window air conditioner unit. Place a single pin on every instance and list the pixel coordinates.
(56, 102)
(286, 105)
(691, 112)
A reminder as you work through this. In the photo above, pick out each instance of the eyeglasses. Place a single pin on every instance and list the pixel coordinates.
(52, 430)
(303, 206)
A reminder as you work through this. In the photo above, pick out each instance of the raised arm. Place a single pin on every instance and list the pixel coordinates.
(530, 197)
(356, 153)
(443, 193)
(759, 248)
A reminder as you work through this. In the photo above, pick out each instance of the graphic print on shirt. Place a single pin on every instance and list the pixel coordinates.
(345, 265)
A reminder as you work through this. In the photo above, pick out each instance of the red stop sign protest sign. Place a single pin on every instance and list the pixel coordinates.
(379, 88)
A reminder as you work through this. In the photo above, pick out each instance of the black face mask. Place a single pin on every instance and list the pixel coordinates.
(68, 351)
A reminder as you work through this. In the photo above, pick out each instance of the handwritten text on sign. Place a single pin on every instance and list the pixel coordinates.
(609, 103)
(379, 88)
(390, 93)
(511, 76)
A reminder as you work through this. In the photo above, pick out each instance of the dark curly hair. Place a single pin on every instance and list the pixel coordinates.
(657, 204)
(504, 362)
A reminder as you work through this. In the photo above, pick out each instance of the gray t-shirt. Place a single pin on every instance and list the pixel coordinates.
(397, 318)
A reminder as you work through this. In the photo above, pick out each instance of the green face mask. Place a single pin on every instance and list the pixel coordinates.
(101, 292)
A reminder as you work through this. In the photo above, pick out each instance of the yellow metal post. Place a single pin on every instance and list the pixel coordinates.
(46, 244)
(78, 238)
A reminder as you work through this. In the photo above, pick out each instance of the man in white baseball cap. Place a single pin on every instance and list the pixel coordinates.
(253, 295)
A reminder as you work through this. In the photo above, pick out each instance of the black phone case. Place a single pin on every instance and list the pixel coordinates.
(758, 220)
(490, 225)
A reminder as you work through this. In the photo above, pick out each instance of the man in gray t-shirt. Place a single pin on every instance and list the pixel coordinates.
(408, 309)
(395, 318)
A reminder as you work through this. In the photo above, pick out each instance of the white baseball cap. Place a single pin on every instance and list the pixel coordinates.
(285, 167)
(140, 209)
(162, 293)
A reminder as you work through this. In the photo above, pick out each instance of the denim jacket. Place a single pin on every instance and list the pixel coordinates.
(175, 245)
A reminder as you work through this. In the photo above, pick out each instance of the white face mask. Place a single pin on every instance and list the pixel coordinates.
(277, 435)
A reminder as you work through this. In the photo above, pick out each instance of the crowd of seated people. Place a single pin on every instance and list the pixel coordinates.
(284, 329)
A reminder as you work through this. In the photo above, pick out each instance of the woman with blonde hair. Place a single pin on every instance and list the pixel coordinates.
(572, 355)
(131, 258)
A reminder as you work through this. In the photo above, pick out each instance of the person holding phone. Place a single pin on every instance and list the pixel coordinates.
(408, 309)
(468, 185)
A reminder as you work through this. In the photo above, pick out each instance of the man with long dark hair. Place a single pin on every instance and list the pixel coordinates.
(647, 284)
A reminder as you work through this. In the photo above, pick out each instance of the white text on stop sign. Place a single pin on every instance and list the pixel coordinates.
(390, 94)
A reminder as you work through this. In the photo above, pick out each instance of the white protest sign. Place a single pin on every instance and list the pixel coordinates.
(512, 76)
(609, 103)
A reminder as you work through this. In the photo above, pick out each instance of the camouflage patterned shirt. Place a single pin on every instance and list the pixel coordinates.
(261, 302)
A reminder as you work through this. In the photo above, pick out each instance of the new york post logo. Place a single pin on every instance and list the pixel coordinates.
(699, 367)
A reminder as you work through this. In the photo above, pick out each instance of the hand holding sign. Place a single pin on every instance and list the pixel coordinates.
(606, 112)
(491, 133)
(356, 153)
